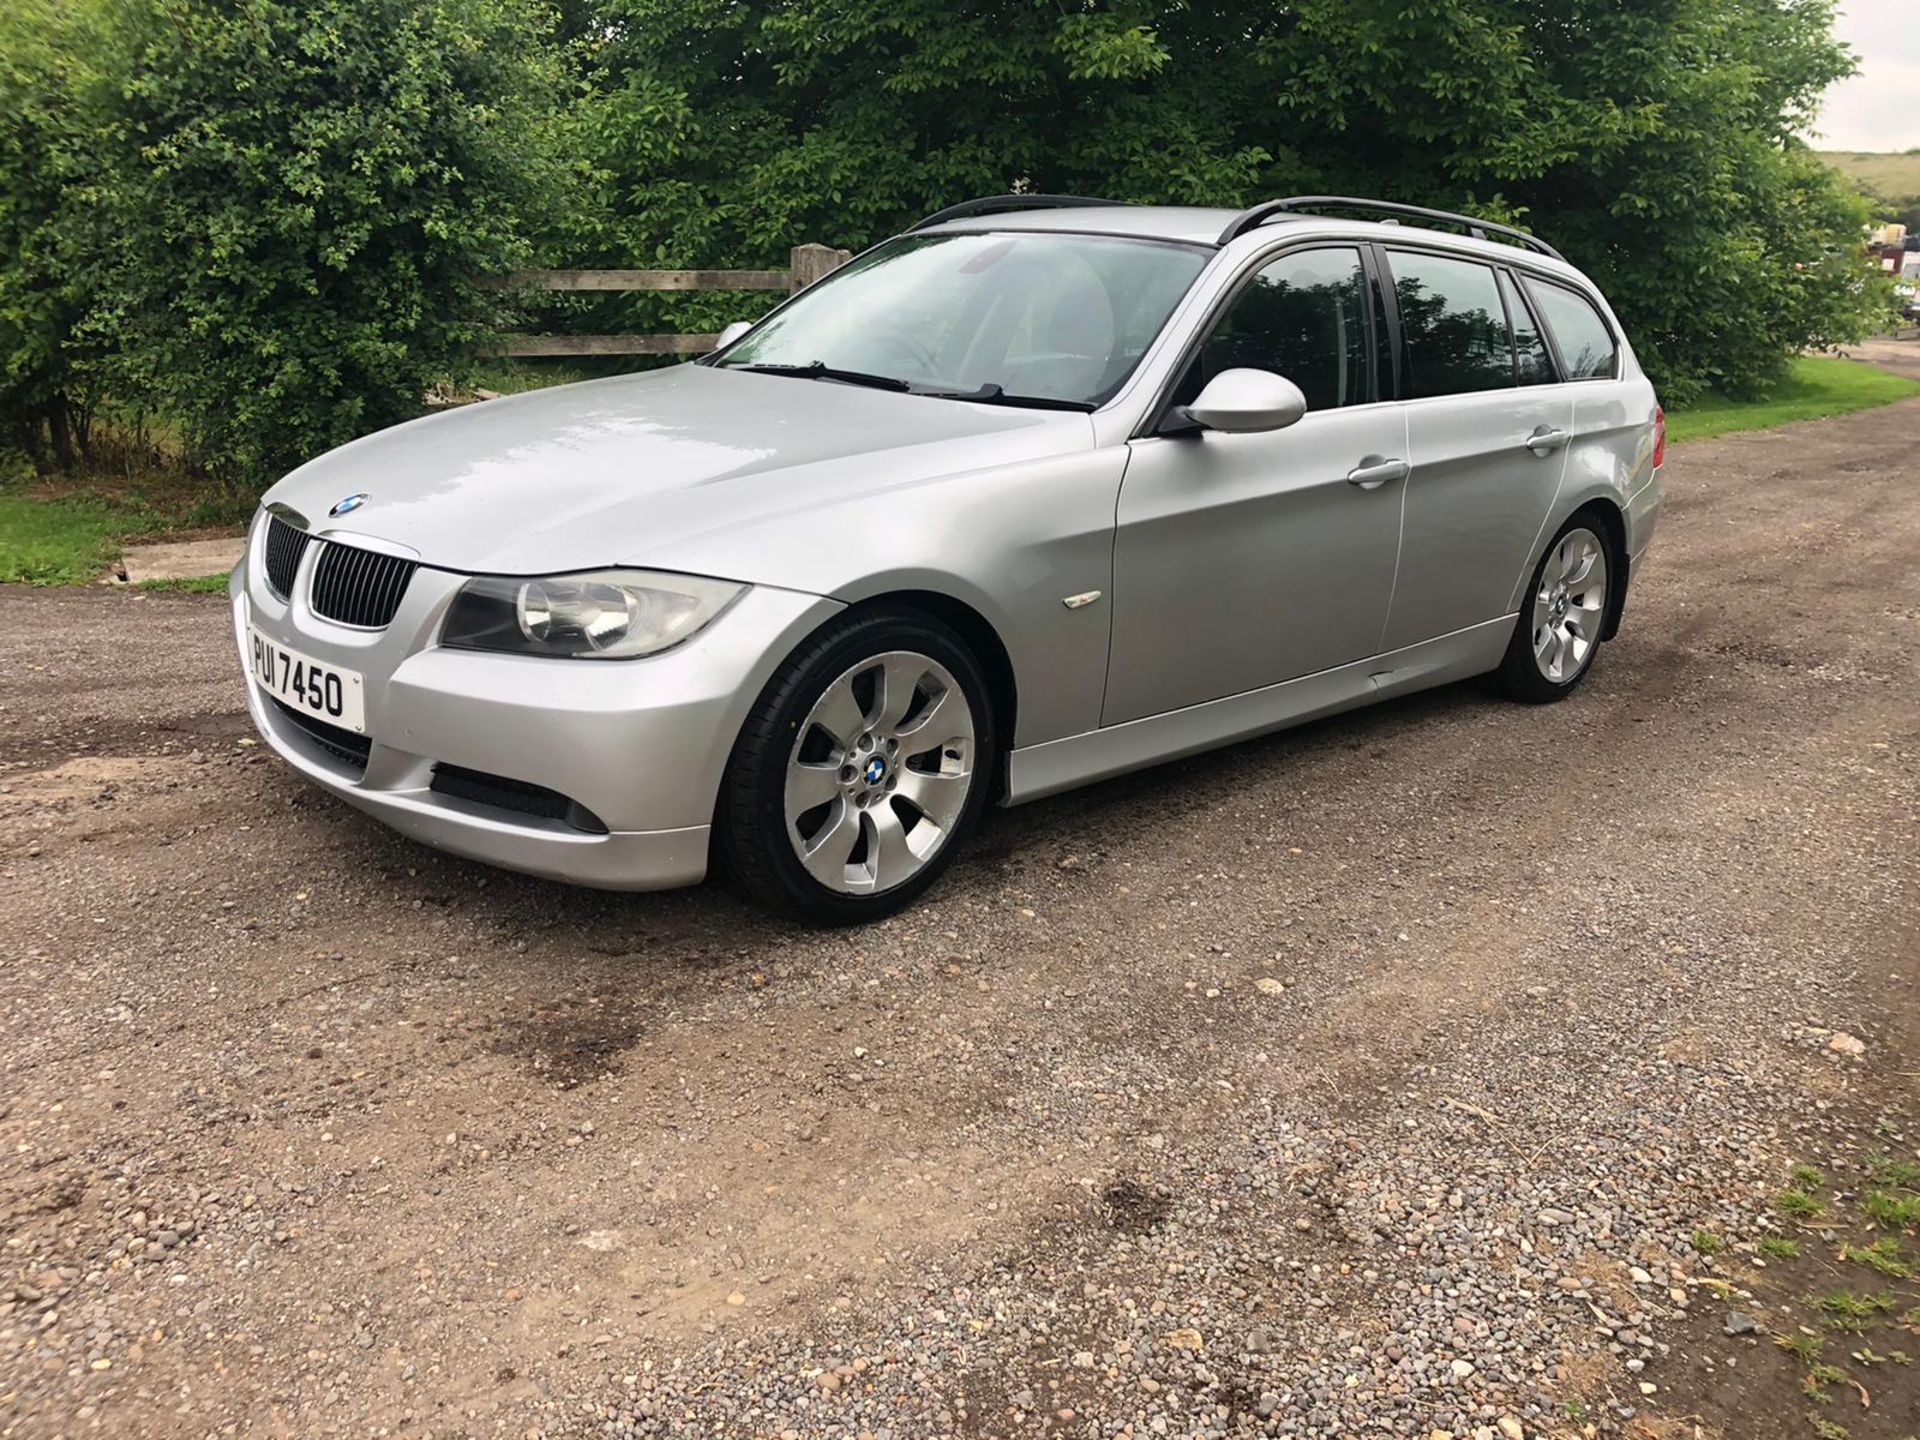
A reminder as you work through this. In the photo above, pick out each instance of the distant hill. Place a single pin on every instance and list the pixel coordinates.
(1894, 178)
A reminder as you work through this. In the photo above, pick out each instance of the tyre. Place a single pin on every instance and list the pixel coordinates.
(1557, 633)
(860, 770)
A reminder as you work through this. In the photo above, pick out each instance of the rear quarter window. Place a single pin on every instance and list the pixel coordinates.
(1586, 345)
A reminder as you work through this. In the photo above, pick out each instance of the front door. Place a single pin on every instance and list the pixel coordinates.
(1241, 560)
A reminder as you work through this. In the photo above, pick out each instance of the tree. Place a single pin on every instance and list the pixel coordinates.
(1651, 140)
(292, 208)
(47, 243)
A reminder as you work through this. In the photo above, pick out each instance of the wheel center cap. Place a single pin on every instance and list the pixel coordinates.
(876, 770)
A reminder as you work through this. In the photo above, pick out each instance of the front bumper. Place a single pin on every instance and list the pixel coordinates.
(641, 744)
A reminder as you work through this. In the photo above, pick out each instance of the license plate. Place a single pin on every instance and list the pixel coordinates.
(323, 691)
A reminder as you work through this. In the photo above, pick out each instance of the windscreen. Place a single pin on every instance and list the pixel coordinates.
(1062, 318)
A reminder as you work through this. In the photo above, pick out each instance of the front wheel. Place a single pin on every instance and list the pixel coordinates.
(1558, 630)
(863, 764)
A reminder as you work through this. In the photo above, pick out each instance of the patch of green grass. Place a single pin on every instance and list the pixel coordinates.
(1884, 1255)
(199, 585)
(1803, 1347)
(1779, 1247)
(1706, 1242)
(1814, 387)
(1799, 1205)
(1827, 1429)
(55, 542)
(1853, 1312)
(1806, 1177)
(1895, 1174)
(1896, 1212)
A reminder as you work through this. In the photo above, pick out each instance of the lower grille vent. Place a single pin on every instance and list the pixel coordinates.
(348, 748)
(479, 788)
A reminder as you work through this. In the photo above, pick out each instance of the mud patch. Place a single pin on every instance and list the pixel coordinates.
(1133, 1208)
(573, 1042)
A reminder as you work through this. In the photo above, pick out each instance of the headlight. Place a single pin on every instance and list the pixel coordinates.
(605, 615)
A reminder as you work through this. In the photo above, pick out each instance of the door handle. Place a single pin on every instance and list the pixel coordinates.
(1545, 439)
(1373, 472)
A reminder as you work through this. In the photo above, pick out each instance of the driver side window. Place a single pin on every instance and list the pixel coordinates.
(1308, 316)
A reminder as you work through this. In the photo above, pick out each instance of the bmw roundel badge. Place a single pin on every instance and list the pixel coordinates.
(876, 770)
(349, 505)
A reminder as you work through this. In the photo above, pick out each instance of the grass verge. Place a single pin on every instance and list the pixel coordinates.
(56, 541)
(61, 529)
(1814, 387)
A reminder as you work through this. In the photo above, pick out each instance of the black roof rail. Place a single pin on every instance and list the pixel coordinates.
(1310, 204)
(989, 204)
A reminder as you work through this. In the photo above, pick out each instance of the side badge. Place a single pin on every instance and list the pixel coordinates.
(1080, 601)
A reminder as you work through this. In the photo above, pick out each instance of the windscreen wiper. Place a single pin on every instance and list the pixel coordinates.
(992, 394)
(820, 370)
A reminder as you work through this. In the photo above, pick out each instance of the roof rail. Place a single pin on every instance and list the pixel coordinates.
(1309, 204)
(989, 204)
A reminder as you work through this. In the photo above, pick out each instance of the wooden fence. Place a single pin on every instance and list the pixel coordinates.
(808, 263)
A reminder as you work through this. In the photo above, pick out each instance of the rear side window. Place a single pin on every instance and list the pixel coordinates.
(1452, 324)
(1531, 364)
(1586, 344)
(1307, 316)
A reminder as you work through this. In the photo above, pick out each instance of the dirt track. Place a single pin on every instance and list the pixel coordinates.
(305, 1130)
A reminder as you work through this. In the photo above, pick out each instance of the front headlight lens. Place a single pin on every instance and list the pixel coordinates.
(604, 615)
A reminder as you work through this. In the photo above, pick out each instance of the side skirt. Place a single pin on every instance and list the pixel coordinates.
(1040, 770)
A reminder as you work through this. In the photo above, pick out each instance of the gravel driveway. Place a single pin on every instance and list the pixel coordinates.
(1381, 1078)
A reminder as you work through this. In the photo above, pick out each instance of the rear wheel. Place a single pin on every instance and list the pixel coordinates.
(1557, 633)
(861, 767)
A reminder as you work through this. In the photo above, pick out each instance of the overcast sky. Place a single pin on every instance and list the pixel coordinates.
(1878, 109)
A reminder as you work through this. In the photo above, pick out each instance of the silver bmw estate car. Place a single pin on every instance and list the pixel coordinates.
(1045, 490)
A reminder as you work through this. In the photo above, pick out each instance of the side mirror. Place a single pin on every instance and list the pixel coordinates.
(732, 333)
(1239, 401)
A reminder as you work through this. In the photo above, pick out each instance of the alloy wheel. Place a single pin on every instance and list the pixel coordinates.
(1570, 606)
(880, 773)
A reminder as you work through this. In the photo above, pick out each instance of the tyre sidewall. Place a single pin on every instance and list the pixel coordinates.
(753, 809)
(1519, 673)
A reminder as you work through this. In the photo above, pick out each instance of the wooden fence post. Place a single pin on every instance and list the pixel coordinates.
(809, 262)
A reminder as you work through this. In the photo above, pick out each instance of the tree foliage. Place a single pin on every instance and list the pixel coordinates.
(266, 222)
(288, 209)
(1651, 140)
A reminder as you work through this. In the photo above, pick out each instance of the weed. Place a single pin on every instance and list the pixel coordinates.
(1896, 1174)
(1798, 1205)
(1819, 1377)
(1827, 1429)
(1779, 1247)
(1803, 1347)
(1896, 1212)
(1806, 1177)
(1846, 1310)
(1707, 1243)
(1884, 1255)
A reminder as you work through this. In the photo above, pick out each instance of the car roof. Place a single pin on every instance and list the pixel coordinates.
(1203, 225)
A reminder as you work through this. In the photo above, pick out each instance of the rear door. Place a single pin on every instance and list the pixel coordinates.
(1243, 560)
(1487, 429)
(1609, 415)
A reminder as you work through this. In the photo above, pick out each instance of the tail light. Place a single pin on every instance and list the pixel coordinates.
(1659, 436)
